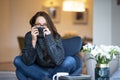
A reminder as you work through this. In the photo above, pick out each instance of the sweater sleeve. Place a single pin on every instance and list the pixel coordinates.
(28, 52)
(55, 49)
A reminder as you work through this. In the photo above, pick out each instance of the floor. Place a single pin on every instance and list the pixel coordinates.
(7, 71)
(7, 66)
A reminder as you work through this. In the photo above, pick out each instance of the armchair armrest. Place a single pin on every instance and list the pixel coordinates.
(90, 66)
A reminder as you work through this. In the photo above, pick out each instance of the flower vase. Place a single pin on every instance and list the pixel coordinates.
(102, 72)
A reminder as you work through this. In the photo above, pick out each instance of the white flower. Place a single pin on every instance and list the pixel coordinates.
(95, 51)
(102, 53)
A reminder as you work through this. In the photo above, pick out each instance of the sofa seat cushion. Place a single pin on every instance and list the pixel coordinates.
(116, 75)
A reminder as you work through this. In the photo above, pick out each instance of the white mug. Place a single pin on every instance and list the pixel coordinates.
(57, 75)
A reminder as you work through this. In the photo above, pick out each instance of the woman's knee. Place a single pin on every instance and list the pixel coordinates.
(17, 61)
(69, 61)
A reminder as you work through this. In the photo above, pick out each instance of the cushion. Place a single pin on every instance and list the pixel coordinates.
(72, 45)
(116, 75)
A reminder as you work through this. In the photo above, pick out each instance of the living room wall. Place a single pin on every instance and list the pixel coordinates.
(14, 22)
(106, 25)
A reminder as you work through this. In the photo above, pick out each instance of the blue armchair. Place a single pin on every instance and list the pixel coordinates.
(72, 47)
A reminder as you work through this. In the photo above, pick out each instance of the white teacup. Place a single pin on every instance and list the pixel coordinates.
(57, 75)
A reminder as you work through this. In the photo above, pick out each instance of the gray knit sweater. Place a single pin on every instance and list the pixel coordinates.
(48, 51)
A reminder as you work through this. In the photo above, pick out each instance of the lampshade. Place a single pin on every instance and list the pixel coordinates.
(73, 5)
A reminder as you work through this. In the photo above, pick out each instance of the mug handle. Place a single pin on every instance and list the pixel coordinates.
(54, 76)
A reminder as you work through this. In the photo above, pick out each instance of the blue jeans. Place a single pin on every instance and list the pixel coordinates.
(23, 72)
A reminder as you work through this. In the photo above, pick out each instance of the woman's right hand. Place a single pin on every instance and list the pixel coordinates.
(34, 33)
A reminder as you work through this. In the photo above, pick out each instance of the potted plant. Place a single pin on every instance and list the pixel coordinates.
(102, 54)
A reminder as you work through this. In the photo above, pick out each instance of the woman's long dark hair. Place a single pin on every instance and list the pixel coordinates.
(50, 24)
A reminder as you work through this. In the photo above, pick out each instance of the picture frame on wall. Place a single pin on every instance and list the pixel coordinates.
(118, 2)
(80, 17)
(53, 12)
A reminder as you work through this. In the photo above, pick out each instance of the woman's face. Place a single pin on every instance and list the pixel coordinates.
(41, 22)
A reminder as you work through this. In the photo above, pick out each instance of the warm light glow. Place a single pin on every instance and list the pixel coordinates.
(73, 5)
(51, 3)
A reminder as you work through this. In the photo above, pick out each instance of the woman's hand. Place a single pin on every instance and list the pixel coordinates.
(34, 33)
(46, 31)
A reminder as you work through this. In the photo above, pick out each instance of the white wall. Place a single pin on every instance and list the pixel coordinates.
(106, 22)
(14, 21)
(102, 22)
(115, 23)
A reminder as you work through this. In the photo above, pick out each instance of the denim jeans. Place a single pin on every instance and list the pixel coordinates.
(35, 72)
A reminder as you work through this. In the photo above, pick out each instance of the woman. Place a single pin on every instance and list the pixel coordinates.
(43, 49)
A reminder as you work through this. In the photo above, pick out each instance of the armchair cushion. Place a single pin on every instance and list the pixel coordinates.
(72, 45)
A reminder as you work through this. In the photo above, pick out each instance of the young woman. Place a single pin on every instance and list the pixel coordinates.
(43, 53)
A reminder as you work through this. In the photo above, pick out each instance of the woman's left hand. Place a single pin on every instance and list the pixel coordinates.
(46, 31)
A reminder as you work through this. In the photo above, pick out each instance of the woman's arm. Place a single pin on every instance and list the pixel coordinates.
(55, 49)
(28, 52)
